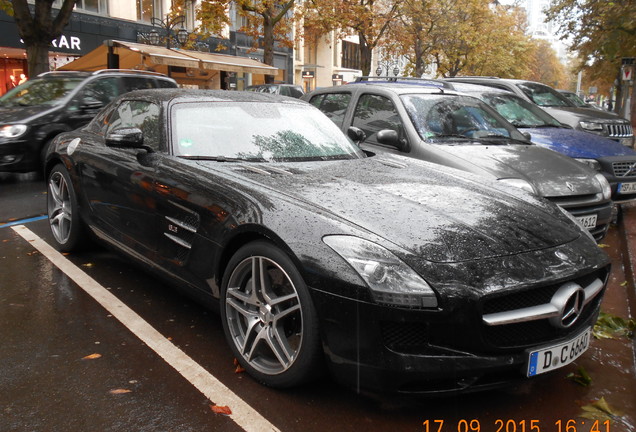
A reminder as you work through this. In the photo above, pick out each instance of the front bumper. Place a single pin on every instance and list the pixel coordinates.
(377, 348)
(19, 155)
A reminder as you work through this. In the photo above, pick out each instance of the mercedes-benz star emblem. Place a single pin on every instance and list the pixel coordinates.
(569, 301)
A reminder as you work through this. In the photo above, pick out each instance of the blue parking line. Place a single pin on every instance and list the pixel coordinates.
(23, 221)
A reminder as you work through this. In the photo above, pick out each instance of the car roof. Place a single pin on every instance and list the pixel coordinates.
(183, 95)
(392, 87)
(102, 72)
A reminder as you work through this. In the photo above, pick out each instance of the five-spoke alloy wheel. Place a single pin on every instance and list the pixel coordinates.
(62, 210)
(268, 316)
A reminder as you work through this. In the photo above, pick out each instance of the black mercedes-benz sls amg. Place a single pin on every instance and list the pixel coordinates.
(400, 275)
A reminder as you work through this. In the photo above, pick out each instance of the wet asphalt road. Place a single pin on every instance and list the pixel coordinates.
(49, 325)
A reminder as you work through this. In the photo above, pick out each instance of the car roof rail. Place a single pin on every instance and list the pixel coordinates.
(475, 76)
(56, 72)
(404, 80)
(130, 71)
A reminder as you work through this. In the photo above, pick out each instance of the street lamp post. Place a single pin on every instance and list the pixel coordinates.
(168, 25)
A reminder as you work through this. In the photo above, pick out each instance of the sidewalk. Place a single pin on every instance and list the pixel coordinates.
(627, 234)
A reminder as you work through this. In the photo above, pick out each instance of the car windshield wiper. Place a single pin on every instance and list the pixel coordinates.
(494, 138)
(212, 158)
(547, 125)
(450, 136)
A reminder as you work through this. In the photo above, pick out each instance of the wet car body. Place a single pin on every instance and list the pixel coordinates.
(590, 120)
(511, 159)
(476, 246)
(615, 161)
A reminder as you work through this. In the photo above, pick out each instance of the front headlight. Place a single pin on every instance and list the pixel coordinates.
(520, 183)
(592, 163)
(12, 131)
(591, 126)
(392, 282)
(605, 186)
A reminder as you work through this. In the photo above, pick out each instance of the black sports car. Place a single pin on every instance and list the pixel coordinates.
(404, 276)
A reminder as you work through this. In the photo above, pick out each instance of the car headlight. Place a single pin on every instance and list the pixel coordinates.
(12, 131)
(520, 183)
(591, 126)
(605, 186)
(592, 163)
(392, 282)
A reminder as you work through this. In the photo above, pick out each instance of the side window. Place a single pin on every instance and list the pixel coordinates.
(316, 100)
(296, 92)
(334, 106)
(101, 90)
(283, 90)
(375, 113)
(165, 84)
(137, 83)
(138, 114)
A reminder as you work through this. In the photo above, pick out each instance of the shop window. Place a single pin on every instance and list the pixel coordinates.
(149, 9)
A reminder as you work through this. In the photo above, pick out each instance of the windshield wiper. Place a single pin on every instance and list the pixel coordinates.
(450, 136)
(546, 125)
(493, 138)
(212, 158)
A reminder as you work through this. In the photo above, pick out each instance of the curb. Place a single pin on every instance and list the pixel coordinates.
(627, 230)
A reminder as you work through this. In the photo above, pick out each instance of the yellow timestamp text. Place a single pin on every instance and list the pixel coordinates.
(509, 425)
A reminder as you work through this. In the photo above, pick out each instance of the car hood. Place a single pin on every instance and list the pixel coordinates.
(549, 172)
(437, 213)
(573, 115)
(22, 114)
(577, 144)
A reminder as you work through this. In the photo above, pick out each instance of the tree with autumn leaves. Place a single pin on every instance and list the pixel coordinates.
(38, 28)
(601, 33)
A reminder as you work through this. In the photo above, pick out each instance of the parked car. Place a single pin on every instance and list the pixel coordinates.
(33, 113)
(445, 127)
(578, 101)
(405, 276)
(290, 90)
(616, 162)
(554, 103)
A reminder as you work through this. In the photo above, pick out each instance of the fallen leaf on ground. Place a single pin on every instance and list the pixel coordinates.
(599, 410)
(221, 409)
(119, 391)
(239, 369)
(603, 245)
(92, 357)
(610, 326)
(581, 377)
(88, 265)
(33, 253)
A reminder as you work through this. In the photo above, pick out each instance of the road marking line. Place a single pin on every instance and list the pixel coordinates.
(242, 414)
(22, 221)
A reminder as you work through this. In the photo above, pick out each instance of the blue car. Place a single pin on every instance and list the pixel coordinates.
(615, 161)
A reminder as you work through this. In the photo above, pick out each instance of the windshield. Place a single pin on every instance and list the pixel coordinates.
(40, 91)
(520, 112)
(575, 99)
(260, 131)
(447, 118)
(543, 95)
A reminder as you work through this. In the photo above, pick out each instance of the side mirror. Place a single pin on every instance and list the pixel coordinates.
(527, 135)
(91, 104)
(126, 137)
(356, 134)
(390, 137)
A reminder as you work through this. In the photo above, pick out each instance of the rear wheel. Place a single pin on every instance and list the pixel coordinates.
(66, 227)
(269, 318)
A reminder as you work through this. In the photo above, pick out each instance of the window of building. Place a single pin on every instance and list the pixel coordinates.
(148, 9)
(351, 56)
(95, 6)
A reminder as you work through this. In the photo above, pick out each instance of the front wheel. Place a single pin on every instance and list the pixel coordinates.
(269, 318)
(62, 207)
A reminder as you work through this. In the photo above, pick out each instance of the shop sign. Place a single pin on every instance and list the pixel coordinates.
(309, 74)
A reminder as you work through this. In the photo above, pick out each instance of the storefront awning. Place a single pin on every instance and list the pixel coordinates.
(141, 56)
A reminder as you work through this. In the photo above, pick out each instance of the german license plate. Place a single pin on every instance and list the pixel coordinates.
(587, 221)
(627, 188)
(554, 357)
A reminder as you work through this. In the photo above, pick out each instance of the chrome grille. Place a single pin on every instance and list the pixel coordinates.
(624, 169)
(620, 130)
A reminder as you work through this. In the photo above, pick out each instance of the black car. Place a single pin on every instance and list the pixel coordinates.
(586, 119)
(403, 276)
(33, 113)
(426, 120)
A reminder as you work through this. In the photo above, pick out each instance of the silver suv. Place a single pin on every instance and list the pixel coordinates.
(460, 131)
(560, 107)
